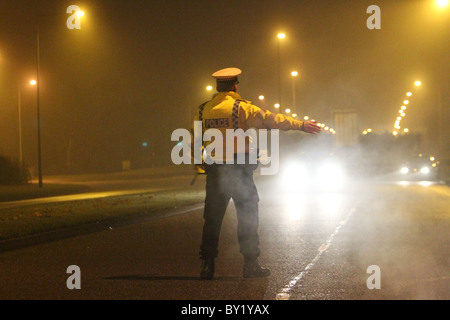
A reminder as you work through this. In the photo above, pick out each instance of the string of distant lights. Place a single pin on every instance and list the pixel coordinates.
(402, 112)
(400, 115)
(306, 118)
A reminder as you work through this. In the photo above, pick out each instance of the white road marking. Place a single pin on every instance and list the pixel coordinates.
(284, 294)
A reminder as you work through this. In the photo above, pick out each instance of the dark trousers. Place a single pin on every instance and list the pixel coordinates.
(225, 182)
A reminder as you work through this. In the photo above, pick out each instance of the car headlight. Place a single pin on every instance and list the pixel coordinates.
(425, 170)
(295, 175)
(331, 174)
(404, 170)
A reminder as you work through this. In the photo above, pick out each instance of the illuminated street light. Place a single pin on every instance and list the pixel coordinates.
(409, 94)
(277, 105)
(442, 3)
(405, 102)
(261, 97)
(403, 108)
(405, 130)
(417, 83)
(38, 83)
(209, 88)
(281, 36)
(287, 110)
(306, 117)
(294, 115)
(395, 133)
(33, 82)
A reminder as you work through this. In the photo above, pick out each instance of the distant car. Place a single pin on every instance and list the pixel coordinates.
(419, 167)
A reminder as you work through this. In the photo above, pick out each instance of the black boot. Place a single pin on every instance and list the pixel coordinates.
(207, 271)
(252, 269)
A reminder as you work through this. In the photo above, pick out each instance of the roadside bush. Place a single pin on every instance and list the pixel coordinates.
(12, 172)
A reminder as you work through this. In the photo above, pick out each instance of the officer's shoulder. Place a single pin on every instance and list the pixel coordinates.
(244, 101)
(245, 104)
(203, 104)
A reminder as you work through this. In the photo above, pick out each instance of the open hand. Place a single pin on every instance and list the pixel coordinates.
(311, 127)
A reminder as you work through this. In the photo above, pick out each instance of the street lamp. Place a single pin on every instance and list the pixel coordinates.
(37, 83)
(442, 3)
(209, 88)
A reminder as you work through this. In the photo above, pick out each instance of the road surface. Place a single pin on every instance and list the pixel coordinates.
(319, 244)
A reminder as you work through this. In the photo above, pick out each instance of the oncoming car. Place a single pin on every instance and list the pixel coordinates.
(419, 167)
(312, 171)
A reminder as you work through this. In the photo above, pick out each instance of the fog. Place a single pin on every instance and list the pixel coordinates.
(137, 70)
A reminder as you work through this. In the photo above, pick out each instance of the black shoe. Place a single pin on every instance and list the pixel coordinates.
(207, 271)
(254, 270)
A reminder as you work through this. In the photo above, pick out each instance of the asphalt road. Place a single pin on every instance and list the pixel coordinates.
(319, 244)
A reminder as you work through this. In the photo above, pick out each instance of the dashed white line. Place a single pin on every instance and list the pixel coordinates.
(284, 294)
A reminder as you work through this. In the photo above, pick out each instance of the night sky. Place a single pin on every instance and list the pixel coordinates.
(137, 69)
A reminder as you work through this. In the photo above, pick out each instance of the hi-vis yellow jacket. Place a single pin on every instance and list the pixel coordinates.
(227, 110)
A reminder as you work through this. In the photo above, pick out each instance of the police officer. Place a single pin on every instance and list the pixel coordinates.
(227, 110)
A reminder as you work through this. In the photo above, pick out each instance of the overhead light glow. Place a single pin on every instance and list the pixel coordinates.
(425, 170)
(442, 3)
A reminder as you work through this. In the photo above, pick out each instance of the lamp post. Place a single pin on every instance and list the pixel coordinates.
(38, 107)
(38, 66)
